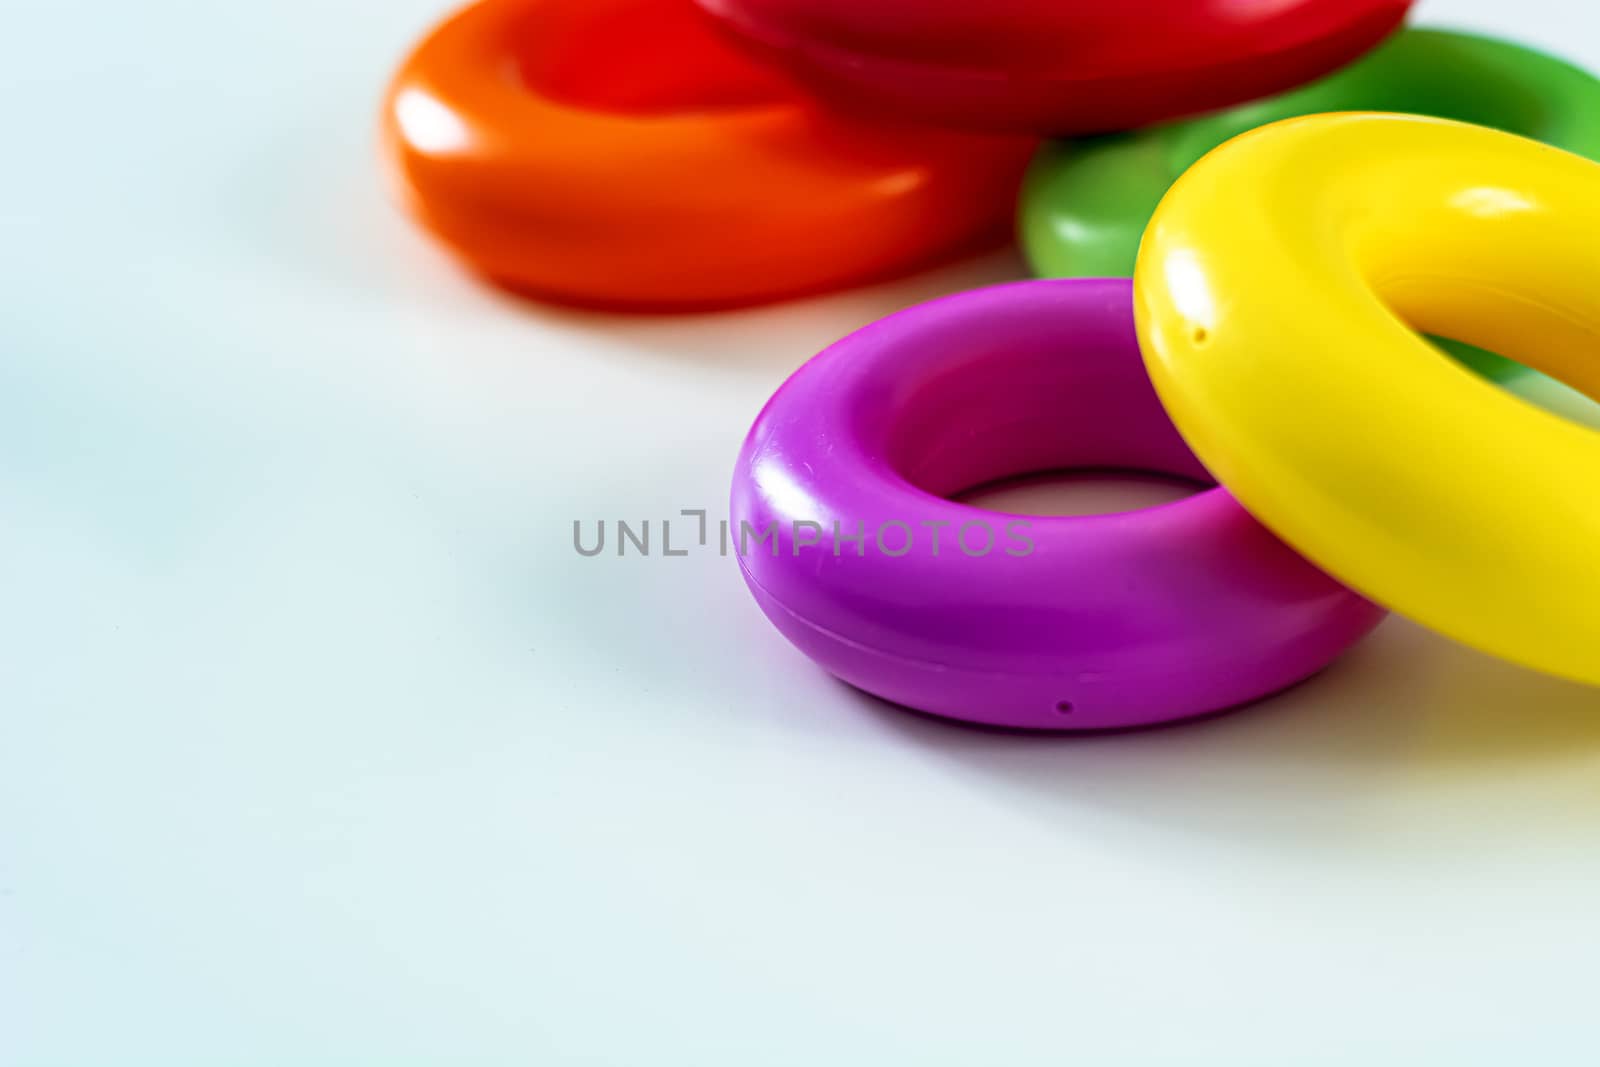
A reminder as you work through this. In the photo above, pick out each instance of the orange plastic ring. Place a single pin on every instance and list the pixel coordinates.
(618, 153)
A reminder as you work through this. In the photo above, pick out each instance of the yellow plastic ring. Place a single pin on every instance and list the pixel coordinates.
(1279, 292)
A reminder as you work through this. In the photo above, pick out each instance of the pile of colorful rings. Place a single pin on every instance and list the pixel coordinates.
(1277, 244)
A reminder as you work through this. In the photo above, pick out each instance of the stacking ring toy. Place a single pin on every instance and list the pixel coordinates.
(1056, 66)
(1277, 293)
(619, 153)
(1086, 203)
(847, 539)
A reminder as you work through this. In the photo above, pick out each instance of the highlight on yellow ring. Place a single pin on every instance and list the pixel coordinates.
(1280, 292)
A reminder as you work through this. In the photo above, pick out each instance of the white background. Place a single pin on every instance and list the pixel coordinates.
(319, 744)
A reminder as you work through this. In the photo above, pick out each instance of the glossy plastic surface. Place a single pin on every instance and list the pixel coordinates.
(1085, 203)
(1057, 66)
(1108, 621)
(1277, 292)
(621, 153)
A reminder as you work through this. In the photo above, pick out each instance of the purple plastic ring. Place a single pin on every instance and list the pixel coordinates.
(848, 540)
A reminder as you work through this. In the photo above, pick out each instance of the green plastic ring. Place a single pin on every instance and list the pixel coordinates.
(1086, 202)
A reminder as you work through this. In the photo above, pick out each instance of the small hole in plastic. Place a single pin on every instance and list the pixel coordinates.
(1201, 335)
(1064, 708)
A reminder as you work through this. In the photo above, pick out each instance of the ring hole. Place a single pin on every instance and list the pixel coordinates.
(1006, 403)
(1080, 493)
(1548, 392)
(638, 58)
(1065, 708)
(1202, 335)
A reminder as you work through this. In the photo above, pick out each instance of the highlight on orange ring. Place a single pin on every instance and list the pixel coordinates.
(617, 153)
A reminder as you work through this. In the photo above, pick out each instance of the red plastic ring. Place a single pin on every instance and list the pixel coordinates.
(1057, 66)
